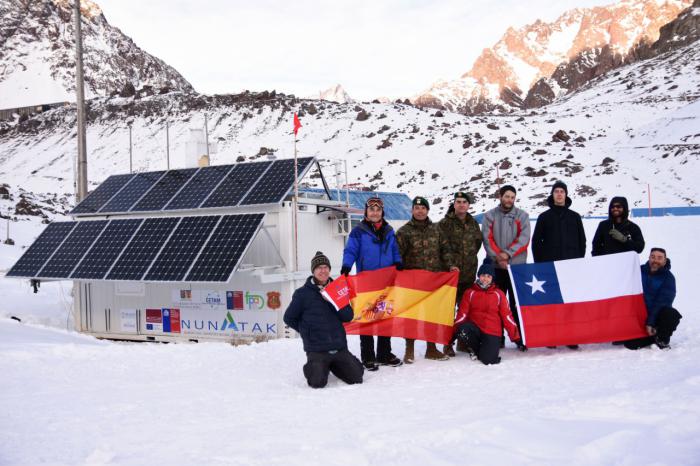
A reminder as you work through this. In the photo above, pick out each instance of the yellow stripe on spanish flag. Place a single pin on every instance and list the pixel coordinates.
(410, 304)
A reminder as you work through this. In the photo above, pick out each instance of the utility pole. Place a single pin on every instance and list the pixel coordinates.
(167, 144)
(131, 158)
(81, 163)
(206, 133)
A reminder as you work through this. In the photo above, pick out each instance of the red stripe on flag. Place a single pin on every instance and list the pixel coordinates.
(404, 328)
(607, 320)
(415, 279)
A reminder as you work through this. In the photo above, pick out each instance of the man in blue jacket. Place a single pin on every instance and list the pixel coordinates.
(659, 286)
(321, 329)
(372, 245)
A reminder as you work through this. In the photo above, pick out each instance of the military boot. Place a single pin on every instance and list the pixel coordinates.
(431, 352)
(408, 356)
(449, 351)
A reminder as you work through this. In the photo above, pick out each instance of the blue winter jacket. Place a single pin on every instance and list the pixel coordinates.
(369, 249)
(659, 290)
(316, 320)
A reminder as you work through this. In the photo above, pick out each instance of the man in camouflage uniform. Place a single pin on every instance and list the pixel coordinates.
(464, 237)
(422, 246)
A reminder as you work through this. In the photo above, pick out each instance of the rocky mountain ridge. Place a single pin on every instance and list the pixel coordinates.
(533, 65)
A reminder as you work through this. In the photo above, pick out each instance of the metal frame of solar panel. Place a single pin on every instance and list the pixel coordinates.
(132, 193)
(144, 247)
(164, 190)
(225, 248)
(102, 194)
(41, 250)
(72, 250)
(104, 252)
(176, 258)
(276, 183)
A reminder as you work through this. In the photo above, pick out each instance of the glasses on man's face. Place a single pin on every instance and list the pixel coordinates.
(616, 206)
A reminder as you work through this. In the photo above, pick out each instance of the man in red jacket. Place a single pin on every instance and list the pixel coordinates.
(483, 313)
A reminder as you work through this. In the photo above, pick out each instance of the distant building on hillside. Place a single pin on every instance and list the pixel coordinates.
(10, 113)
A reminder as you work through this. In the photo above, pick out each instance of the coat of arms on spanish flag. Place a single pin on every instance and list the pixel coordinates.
(410, 303)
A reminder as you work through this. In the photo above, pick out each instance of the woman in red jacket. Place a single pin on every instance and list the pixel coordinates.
(483, 313)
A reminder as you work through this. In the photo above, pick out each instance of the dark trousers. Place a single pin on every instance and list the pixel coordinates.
(666, 323)
(461, 288)
(502, 280)
(342, 363)
(483, 345)
(367, 348)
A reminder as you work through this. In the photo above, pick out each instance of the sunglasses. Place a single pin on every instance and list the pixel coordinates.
(616, 206)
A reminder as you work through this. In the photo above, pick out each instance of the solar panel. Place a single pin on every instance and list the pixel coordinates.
(102, 194)
(72, 250)
(224, 250)
(236, 184)
(39, 252)
(132, 192)
(106, 249)
(164, 190)
(199, 187)
(143, 248)
(182, 248)
(276, 183)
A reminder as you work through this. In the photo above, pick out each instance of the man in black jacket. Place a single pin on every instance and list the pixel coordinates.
(617, 233)
(321, 329)
(559, 231)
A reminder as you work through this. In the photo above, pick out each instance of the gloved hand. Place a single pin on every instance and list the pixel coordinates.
(344, 270)
(617, 235)
(399, 266)
(519, 344)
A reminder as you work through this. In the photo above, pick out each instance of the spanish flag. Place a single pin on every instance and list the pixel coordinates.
(410, 304)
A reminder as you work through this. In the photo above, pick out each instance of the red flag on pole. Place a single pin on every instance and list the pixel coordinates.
(297, 124)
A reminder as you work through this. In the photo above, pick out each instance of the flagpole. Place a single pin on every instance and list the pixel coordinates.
(294, 206)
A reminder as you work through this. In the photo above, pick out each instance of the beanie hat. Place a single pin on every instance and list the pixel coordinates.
(421, 201)
(505, 188)
(462, 195)
(486, 268)
(560, 184)
(319, 259)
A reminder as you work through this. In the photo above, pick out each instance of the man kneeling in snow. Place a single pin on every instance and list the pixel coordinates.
(659, 287)
(321, 329)
(483, 312)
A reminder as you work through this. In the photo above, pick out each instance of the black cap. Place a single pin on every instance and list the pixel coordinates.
(560, 184)
(462, 195)
(418, 200)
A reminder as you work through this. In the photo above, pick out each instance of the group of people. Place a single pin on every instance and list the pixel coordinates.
(485, 297)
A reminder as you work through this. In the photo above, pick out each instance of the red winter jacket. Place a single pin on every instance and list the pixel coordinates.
(488, 309)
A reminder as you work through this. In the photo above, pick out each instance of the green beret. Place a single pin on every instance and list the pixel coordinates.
(462, 195)
(421, 201)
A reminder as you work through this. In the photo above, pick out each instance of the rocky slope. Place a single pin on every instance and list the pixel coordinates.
(531, 66)
(38, 56)
(635, 126)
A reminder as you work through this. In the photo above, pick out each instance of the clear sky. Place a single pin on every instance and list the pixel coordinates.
(377, 48)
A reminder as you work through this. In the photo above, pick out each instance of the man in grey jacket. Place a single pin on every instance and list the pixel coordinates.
(506, 233)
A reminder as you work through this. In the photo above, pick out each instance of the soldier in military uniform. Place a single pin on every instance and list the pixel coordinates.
(422, 246)
(464, 237)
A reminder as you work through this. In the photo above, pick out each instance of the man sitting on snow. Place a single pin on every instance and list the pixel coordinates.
(321, 329)
(659, 286)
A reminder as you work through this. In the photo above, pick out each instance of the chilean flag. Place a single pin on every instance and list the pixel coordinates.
(590, 300)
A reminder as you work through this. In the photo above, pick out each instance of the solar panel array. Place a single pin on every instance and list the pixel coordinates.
(243, 184)
(161, 249)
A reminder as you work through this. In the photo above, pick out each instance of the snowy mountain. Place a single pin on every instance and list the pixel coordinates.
(335, 94)
(635, 126)
(531, 66)
(38, 56)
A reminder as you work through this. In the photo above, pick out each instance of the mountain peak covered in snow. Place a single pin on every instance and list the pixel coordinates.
(37, 46)
(592, 40)
(335, 94)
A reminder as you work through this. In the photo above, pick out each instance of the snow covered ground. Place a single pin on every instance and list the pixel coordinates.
(67, 398)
